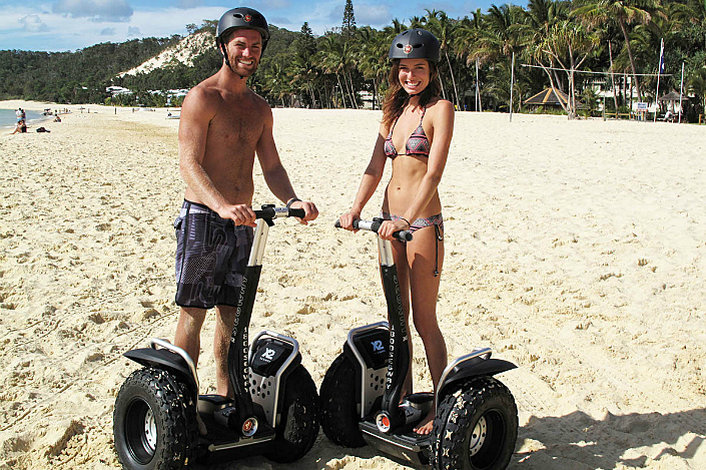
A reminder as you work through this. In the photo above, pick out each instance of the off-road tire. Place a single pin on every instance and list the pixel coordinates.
(458, 417)
(299, 422)
(339, 404)
(168, 442)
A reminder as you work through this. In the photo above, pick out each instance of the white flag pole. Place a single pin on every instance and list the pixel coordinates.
(659, 73)
(512, 82)
(681, 90)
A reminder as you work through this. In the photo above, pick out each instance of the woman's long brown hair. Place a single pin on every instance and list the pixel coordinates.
(396, 97)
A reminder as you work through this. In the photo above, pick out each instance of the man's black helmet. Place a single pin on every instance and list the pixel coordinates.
(415, 44)
(243, 18)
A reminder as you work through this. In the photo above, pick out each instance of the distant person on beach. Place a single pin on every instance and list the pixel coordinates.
(223, 126)
(19, 113)
(57, 118)
(414, 135)
(21, 127)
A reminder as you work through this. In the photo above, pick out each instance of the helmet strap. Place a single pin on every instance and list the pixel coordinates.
(225, 56)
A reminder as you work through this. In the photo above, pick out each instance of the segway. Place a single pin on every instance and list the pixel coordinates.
(475, 426)
(161, 422)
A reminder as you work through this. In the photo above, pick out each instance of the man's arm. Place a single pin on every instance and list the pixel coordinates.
(275, 175)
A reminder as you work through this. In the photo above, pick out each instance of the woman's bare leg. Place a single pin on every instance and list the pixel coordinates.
(424, 286)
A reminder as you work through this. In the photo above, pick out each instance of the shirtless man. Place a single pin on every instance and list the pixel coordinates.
(223, 126)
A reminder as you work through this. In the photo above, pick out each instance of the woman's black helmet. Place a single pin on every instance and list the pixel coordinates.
(415, 44)
(242, 18)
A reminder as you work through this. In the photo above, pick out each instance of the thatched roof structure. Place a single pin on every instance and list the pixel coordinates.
(548, 97)
(673, 96)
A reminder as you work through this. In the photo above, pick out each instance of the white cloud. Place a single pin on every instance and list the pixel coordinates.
(33, 24)
(133, 32)
(108, 32)
(96, 10)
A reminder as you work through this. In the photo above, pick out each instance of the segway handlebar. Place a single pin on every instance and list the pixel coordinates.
(272, 212)
(374, 225)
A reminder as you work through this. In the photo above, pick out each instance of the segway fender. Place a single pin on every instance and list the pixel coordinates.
(162, 359)
(476, 367)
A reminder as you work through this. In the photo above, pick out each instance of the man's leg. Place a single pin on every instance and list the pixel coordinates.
(221, 342)
(188, 331)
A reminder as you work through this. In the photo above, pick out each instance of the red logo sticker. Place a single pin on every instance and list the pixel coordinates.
(407, 49)
(248, 18)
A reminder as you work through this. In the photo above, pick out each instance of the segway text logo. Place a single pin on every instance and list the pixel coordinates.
(268, 355)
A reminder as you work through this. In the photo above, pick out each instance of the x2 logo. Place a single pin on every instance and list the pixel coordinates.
(268, 355)
(377, 346)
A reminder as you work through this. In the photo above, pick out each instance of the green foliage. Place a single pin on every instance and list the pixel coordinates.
(79, 77)
(342, 66)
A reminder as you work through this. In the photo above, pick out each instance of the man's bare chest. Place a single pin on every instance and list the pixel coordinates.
(243, 128)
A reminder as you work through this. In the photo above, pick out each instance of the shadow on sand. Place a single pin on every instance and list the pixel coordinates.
(579, 442)
(574, 441)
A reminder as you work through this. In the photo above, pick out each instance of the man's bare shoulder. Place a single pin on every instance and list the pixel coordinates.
(204, 97)
(261, 104)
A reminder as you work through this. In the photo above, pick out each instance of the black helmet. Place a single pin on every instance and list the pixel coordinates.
(243, 18)
(415, 44)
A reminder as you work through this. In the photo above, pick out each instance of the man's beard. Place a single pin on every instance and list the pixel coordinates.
(243, 70)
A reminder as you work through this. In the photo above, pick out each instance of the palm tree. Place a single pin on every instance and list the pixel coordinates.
(372, 58)
(442, 27)
(567, 45)
(624, 13)
(697, 85)
(337, 58)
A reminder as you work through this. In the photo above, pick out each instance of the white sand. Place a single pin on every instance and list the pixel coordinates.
(575, 249)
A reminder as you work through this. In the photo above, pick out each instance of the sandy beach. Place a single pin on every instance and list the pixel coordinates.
(575, 249)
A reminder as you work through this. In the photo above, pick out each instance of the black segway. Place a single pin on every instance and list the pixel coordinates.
(161, 422)
(475, 426)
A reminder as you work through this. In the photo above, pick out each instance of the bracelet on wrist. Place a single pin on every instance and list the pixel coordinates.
(292, 201)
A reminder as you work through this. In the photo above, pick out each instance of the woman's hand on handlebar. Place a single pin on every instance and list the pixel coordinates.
(389, 227)
(310, 211)
(346, 220)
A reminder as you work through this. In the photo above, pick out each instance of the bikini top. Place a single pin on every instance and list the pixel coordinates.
(417, 144)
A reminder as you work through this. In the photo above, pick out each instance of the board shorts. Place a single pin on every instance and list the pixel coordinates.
(211, 257)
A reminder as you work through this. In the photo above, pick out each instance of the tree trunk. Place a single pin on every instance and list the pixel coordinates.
(453, 79)
(632, 59)
(340, 86)
(612, 80)
(353, 94)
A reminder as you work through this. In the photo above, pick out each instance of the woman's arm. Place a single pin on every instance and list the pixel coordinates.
(369, 182)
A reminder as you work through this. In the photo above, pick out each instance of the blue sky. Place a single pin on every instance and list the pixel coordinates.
(63, 25)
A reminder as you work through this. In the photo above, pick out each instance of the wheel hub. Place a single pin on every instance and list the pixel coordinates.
(478, 436)
(150, 430)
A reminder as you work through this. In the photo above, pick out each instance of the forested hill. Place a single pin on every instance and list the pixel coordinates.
(78, 77)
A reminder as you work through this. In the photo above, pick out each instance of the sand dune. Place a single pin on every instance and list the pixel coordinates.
(575, 249)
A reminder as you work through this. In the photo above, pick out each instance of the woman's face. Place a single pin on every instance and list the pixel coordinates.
(414, 75)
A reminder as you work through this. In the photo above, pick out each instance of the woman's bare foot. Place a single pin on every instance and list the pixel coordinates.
(426, 425)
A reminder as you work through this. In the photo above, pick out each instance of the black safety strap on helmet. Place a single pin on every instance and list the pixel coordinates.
(241, 18)
(415, 43)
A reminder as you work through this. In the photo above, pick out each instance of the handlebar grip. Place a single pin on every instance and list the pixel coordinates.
(403, 235)
(265, 213)
(296, 213)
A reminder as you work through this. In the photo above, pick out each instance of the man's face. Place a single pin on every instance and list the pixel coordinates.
(244, 48)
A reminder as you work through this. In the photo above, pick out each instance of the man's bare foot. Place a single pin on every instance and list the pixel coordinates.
(426, 425)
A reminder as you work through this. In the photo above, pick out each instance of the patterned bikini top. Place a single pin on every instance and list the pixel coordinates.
(417, 144)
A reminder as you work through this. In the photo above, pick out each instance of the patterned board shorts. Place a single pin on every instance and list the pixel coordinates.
(211, 257)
